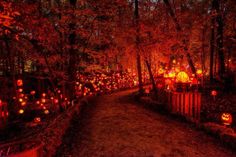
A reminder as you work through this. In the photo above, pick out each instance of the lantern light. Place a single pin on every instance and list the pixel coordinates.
(43, 100)
(199, 72)
(19, 82)
(44, 94)
(37, 119)
(213, 92)
(182, 77)
(226, 118)
(21, 111)
(46, 111)
(32, 92)
(56, 101)
(20, 90)
(23, 103)
(20, 100)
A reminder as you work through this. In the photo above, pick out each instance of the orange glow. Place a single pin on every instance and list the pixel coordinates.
(171, 74)
(20, 100)
(213, 92)
(20, 90)
(32, 92)
(46, 111)
(160, 71)
(21, 111)
(182, 77)
(199, 72)
(19, 82)
(226, 118)
(37, 119)
(44, 94)
(23, 103)
(38, 102)
(43, 100)
(147, 90)
(56, 101)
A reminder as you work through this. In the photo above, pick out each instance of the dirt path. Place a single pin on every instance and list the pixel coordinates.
(114, 126)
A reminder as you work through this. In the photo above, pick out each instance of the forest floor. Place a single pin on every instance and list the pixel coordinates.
(117, 126)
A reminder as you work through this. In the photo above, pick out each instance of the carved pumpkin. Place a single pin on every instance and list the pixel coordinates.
(182, 77)
(19, 82)
(213, 92)
(226, 118)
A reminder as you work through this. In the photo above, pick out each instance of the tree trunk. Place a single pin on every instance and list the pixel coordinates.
(72, 52)
(219, 40)
(12, 71)
(203, 56)
(212, 49)
(179, 29)
(151, 77)
(136, 16)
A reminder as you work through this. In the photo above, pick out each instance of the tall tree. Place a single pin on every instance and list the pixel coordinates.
(136, 17)
(180, 30)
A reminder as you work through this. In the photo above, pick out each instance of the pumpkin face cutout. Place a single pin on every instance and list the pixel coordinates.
(182, 77)
(226, 118)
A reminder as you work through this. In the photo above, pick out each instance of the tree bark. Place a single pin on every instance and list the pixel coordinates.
(212, 49)
(72, 52)
(136, 16)
(219, 40)
(179, 29)
(151, 77)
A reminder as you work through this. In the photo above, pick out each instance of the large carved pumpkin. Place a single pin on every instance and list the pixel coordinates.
(226, 118)
(182, 77)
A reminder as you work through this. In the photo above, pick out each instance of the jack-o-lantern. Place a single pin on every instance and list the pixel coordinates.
(213, 92)
(19, 82)
(147, 90)
(182, 77)
(226, 118)
(37, 119)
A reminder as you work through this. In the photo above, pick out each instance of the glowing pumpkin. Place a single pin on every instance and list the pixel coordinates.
(182, 77)
(226, 118)
(199, 72)
(213, 92)
(56, 101)
(43, 100)
(147, 90)
(19, 82)
(20, 90)
(32, 92)
(37, 119)
(46, 111)
(21, 111)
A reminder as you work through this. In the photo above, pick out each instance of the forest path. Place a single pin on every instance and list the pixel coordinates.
(116, 126)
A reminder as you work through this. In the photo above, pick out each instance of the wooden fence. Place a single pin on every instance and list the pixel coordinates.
(187, 104)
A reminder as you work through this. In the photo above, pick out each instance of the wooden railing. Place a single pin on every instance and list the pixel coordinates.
(187, 104)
